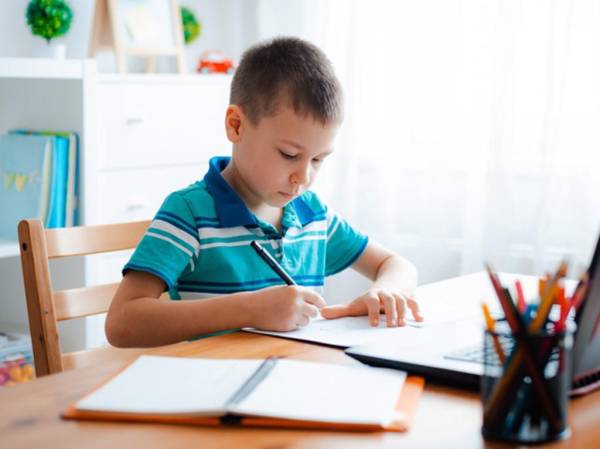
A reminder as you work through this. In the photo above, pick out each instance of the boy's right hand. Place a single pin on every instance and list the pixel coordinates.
(284, 308)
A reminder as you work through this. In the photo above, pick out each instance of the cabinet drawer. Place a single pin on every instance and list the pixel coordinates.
(131, 195)
(152, 123)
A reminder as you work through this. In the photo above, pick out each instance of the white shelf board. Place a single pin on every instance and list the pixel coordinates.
(141, 78)
(41, 68)
(9, 248)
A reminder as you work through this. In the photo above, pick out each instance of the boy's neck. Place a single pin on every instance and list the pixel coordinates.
(262, 210)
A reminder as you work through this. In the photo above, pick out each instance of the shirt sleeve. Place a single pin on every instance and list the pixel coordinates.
(344, 244)
(170, 243)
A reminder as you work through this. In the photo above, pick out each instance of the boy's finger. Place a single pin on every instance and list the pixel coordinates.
(310, 311)
(389, 304)
(400, 304)
(414, 308)
(373, 309)
(303, 321)
(315, 299)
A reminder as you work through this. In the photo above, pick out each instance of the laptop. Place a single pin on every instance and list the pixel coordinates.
(451, 352)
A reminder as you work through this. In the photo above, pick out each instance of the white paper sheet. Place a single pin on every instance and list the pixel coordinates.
(165, 385)
(344, 332)
(326, 393)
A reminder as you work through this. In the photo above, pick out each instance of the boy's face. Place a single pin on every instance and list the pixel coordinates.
(279, 158)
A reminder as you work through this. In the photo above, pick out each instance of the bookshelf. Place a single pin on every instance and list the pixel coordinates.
(40, 68)
(43, 94)
(8, 249)
(34, 93)
(141, 137)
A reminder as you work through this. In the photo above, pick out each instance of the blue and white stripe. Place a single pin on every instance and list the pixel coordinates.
(199, 242)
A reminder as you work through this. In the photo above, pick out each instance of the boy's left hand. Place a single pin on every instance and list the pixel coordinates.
(375, 301)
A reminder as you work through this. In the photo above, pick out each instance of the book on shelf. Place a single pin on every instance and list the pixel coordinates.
(26, 171)
(267, 392)
(58, 205)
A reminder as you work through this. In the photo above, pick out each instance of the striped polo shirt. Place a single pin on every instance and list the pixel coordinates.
(199, 241)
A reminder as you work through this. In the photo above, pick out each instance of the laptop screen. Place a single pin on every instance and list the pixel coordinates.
(586, 351)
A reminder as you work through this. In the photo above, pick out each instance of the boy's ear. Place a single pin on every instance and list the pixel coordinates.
(235, 121)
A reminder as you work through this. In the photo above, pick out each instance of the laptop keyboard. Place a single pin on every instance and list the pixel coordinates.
(477, 354)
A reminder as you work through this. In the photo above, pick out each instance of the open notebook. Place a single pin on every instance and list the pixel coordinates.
(271, 392)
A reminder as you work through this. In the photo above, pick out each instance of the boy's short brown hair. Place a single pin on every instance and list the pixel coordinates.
(287, 69)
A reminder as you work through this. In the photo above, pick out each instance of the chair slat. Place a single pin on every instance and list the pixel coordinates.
(86, 301)
(80, 302)
(84, 240)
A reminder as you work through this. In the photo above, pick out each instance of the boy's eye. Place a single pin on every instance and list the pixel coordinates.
(287, 155)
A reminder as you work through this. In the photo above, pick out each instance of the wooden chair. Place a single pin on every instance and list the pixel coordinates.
(46, 307)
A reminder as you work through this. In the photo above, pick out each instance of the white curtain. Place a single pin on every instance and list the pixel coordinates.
(472, 127)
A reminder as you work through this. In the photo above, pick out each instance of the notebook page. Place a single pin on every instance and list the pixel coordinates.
(172, 385)
(344, 332)
(326, 393)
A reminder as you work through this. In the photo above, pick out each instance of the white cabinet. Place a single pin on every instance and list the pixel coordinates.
(136, 194)
(154, 135)
(141, 137)
(148, 123)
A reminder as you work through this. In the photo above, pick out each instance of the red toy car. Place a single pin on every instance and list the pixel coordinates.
(214, 62)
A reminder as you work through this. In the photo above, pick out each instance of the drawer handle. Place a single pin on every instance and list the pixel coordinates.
(134, 121)
(134, 207)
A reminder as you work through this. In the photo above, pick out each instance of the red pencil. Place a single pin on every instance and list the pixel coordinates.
(520, 296)
(579, 294)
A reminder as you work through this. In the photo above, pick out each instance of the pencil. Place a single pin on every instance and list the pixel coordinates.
(520, 296)
(547, 299)
(580, 291)
(490, 324)
(264, 255)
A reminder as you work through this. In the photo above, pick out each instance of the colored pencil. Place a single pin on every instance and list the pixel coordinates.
(520, 296)
(522, 353)
(491, 327)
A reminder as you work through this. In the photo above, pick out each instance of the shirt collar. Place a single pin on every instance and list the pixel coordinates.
(229, 206)
(303, 211)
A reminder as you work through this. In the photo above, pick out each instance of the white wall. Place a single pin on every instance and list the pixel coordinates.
(227, 25)
(16, 39)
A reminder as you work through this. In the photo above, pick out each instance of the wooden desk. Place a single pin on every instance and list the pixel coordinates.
(447, 417)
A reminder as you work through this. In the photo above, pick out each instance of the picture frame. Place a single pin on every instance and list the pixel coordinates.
(143, 28)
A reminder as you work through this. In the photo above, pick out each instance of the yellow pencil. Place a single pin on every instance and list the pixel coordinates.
(491, 324)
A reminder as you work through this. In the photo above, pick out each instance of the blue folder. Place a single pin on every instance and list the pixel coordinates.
(64, 190)
(25, 172)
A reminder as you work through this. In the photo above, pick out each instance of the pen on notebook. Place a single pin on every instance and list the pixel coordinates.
(264, 255)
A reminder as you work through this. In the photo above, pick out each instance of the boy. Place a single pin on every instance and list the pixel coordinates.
(284, 114)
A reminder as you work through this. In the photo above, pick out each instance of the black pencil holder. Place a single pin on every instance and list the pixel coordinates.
(525, 398)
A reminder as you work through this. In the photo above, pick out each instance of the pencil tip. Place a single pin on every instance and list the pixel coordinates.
(562, 269)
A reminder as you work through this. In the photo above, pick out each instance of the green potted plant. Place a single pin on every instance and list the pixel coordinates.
(191, 27)
(50, 19)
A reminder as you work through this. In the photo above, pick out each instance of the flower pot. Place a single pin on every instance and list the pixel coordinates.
(51, 50)
(57, 51)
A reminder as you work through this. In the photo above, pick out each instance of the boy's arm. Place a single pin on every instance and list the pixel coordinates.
(394, 280)
(138, 318)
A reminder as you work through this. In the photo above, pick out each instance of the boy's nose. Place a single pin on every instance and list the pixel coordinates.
(301, 176)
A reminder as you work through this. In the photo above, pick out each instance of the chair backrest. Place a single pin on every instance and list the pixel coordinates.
(45, 307)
